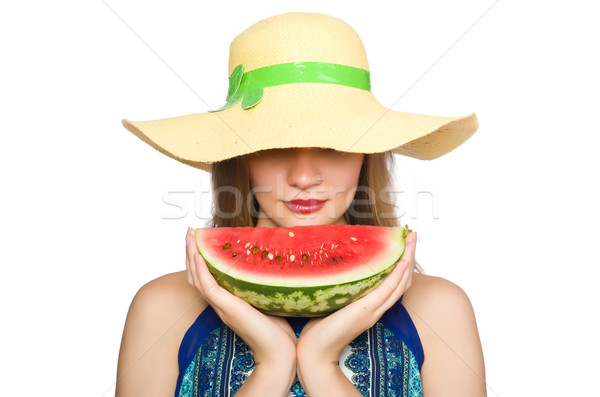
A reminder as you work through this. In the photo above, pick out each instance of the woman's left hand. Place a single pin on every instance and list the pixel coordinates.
(323, 338)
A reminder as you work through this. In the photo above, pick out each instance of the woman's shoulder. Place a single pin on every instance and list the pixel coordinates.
(434, 302)
(171, 294)
(426, 288)
(166, 306)
(445, 320)
(159, 315)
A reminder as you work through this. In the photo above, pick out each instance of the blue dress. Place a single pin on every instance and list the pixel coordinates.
(385, 360)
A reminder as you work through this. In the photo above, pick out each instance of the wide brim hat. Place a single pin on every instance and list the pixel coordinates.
(300, 80)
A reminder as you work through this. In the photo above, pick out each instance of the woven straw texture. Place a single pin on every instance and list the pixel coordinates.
(302, 114)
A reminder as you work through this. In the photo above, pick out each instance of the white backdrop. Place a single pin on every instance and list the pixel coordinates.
(511, 216)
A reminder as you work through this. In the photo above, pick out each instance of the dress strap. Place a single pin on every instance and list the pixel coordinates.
(397, 319)
(205, 323)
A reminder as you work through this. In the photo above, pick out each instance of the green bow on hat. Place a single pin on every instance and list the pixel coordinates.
(249, 85)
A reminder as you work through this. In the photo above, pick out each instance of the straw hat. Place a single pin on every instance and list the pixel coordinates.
(300, 80)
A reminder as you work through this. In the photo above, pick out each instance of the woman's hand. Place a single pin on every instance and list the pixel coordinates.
(271, 338)
(323, 338)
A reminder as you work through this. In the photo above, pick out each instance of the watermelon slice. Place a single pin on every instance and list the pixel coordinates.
(303, 271)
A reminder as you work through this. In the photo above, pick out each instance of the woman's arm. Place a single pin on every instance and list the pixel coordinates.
(157, 318)
(453, 364)
(326, 379)
(268, 380)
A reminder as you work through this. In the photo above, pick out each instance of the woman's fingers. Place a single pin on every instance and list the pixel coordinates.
(198, 275)
(220, 299)
(201, 276)
(187, 257)
(207, 282)
(401, 278)
(394, 285)
(205, 277)
(202, 279)
(191, 250)
(400, 289)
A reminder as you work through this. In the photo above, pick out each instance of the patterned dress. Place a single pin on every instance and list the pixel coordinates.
(385, 360)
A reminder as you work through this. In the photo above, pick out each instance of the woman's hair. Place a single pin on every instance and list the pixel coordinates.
(234, 204)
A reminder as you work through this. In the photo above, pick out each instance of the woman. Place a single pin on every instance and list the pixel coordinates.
(300, 122)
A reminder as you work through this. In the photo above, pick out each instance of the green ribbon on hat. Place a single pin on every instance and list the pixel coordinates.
(249, 85)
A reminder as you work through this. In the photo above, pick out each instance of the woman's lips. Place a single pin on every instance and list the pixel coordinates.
(304, 206)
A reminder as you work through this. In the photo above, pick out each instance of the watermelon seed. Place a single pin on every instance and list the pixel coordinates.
(235, 254)
(270, 256)
(246, 246)
(238, 241)
(247, 252)
(335, 260)
(278, 259)
(265, 254)
(227, 245)
(305, 257)
(255, 249)
(353, 238)
(291, 234)
(341, 258)
(292, 258)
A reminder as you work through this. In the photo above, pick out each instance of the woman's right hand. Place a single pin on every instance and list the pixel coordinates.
(271, 338)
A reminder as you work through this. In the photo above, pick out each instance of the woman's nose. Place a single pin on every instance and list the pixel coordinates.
(304, 170)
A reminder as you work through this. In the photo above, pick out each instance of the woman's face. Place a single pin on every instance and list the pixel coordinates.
(278, 176)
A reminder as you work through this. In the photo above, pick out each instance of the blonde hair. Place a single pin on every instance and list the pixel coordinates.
(231, 188)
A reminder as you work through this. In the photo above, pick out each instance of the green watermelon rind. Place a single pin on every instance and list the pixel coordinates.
(301, 302)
